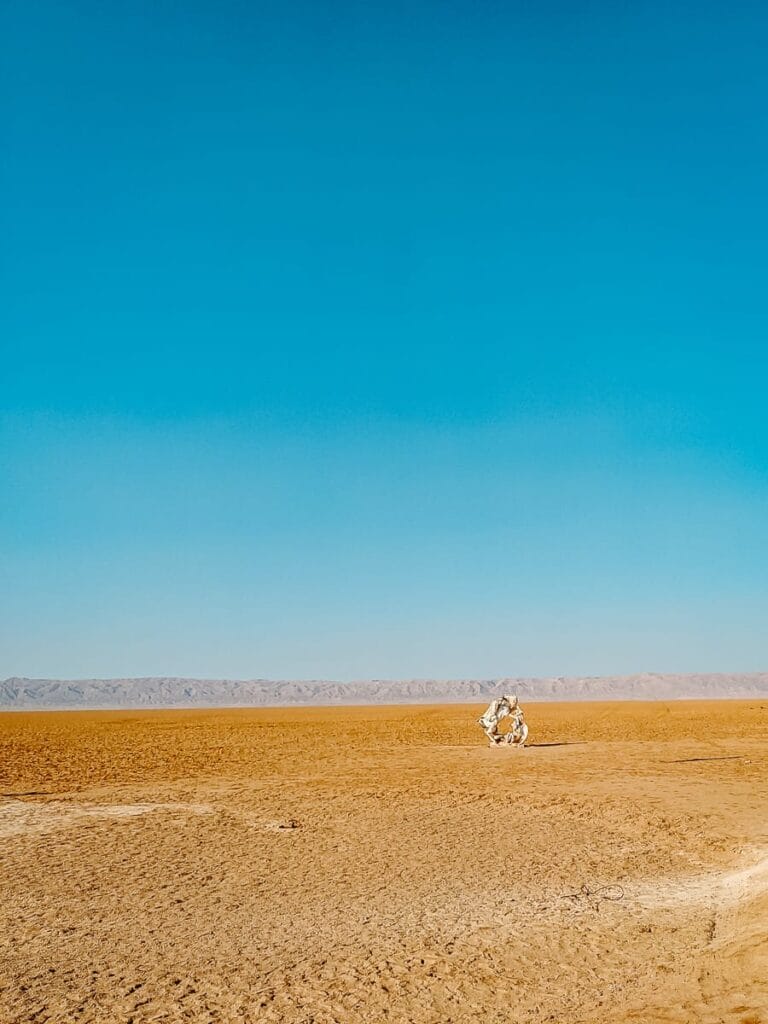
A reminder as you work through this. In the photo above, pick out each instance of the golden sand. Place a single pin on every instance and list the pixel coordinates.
(338, 865)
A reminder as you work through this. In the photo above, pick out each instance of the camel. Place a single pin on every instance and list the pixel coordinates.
(503, 707)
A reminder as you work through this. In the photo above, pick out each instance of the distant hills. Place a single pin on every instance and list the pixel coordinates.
(170, 692)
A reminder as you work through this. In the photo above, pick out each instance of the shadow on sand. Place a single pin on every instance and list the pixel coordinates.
(564, 743)
(687, 760)
(30, 792)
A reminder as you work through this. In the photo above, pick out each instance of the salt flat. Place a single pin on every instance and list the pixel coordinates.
(381, 863)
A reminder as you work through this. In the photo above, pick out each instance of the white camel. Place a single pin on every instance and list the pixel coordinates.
(503, 707)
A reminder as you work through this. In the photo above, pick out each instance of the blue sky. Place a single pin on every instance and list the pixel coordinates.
(403, 340)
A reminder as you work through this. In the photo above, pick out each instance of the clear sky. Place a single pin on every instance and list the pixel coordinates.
(412, 339)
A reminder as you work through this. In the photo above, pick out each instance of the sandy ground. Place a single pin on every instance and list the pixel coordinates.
(382, 864)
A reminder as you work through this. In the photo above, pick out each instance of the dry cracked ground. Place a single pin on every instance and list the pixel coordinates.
(340, 865)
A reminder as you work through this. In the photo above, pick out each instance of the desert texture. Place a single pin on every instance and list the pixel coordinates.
(336, 865)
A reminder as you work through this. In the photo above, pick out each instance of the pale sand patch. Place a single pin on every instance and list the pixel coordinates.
(22, 818)
(722, 888)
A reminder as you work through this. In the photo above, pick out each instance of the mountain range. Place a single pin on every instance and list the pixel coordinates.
(168, 692)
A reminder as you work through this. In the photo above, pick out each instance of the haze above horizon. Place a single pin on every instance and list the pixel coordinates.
(392, 341)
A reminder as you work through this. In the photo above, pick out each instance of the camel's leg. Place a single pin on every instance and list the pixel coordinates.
(492, 735)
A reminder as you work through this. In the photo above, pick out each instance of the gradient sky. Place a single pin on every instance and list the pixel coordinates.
(414, 339)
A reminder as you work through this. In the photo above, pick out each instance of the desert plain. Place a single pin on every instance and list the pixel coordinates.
(367, 864)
